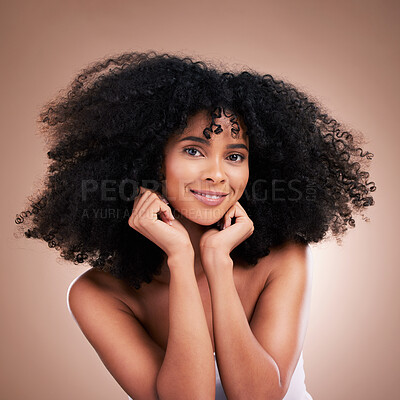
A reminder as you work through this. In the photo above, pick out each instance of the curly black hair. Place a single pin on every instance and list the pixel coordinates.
(306, 172)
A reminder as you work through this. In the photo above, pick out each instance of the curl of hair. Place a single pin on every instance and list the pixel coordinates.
(106, 135)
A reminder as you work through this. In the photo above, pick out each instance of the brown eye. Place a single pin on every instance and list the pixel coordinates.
(242, 157)
(190, 148)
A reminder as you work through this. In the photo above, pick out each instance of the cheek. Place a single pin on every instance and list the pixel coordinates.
(179, 170)
(240, 179)
(177, 178)
(241, 187)
(173, 170)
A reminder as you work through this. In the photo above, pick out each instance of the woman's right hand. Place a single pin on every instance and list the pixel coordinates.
(173, 238)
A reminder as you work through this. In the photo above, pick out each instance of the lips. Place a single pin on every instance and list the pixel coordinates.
(209, 192)
(209, 201)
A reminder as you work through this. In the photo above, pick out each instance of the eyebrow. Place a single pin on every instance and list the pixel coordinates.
(205, 141)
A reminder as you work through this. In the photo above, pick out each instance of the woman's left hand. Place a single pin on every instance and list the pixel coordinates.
(217, 244)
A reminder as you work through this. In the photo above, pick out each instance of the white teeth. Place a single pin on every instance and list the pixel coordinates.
(209, 196)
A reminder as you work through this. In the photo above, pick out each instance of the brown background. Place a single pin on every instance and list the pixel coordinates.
(346, 53)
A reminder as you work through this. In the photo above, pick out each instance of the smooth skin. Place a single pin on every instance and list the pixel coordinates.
(256, 358)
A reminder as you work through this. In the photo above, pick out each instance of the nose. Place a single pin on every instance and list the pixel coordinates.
(215, 170)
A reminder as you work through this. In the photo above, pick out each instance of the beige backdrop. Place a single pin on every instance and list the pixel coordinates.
(346, 53)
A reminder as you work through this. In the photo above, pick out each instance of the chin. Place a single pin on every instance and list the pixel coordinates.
(200, 217)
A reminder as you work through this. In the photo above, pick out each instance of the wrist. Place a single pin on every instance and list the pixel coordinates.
(184, 259)
(221, 284)
(216, 259)
(218, 267)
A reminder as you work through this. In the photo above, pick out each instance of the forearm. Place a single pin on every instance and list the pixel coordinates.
(188, 369)
(246, 369)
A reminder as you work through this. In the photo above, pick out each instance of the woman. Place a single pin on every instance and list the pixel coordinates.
(194, 195)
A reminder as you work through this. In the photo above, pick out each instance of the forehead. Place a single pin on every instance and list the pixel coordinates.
(222, 123)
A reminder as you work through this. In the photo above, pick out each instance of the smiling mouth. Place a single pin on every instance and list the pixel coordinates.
(209, 196)
(211, 200)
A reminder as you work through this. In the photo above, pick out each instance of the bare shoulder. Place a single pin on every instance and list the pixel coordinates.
(291, 248)
(95, 279)
(280, 319)
(120, 340)
(288, 258)
(96, 286)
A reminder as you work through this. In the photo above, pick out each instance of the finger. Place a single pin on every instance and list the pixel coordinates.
(237, 212)
(242, 231)
(149, 198)
(228, 217)
(154, 205)
(227, 220)
(137, 204)
(139, 201)
(144, 190)
(164, 218)
(242, 212)
(144, 206)
(166, 211)
(164, 199)
(159, 196)
(239, 231)
(240, 206)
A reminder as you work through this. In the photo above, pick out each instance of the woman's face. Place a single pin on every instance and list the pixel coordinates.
(194, 163)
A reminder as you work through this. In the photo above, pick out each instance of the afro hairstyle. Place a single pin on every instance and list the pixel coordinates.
(106, 132)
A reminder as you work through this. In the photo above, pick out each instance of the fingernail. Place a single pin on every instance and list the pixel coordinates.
(170, 223)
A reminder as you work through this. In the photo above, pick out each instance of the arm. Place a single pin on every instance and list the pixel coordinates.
(257, 361)
(188, 369)
(119, 339)
(130, 354)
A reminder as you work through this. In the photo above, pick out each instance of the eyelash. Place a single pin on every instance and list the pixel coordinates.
(235, 154)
